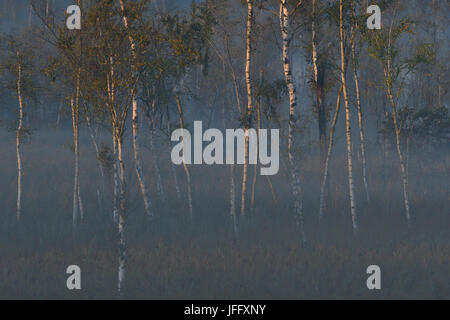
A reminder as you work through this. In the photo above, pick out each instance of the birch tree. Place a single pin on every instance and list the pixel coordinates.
(248, 114)
(384, 46)
(18, 137)
(17, 66)
(287, 68)
(135, 112)
(347, 120)
(358, 100)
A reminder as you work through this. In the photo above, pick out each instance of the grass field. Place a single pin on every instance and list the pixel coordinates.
(169, 259)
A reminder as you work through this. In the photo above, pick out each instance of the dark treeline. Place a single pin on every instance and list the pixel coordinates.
(86, 120)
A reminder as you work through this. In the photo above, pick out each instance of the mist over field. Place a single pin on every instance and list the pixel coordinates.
(87, 179)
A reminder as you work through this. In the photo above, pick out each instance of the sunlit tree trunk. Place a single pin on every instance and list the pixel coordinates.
(318, 87)
(327, 160)
(186, 169)
(18, 138)
(249, 99)
(295, 174)
(111, 101)
(135, 115)
(347, 123)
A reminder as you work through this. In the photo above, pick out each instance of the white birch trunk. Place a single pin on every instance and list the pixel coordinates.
(347, 124)
(136, 148)
(249, 99)
(18, 138)
(121, 225)
(295, 175)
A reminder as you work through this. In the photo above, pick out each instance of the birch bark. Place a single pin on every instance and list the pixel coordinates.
(248, 61)
(347, 123)
(18, 141)
(295, 174)
(135, 115)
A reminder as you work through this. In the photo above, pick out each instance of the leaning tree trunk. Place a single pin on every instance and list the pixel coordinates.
(360, 120)
(295, 174)
(137, 159)
(347, 124)
(327, 160)
(399, 152)
(18, 138)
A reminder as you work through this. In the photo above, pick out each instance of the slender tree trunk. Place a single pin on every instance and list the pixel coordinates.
(100, 195)
(77, 152)
(232, 200)
(76, 173)
(116, 183)
(248, 61)
(122, 216)
(399, 151)
(388, 80)
(137, 160)
(18, 138)
(295, 174)
(255, 174)
(186, 170)
(347, 123)
(327, 160)
(175, 181)
(360, 120)
(112, 99)
(159, 184)
(318, 86)
(172, 166)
